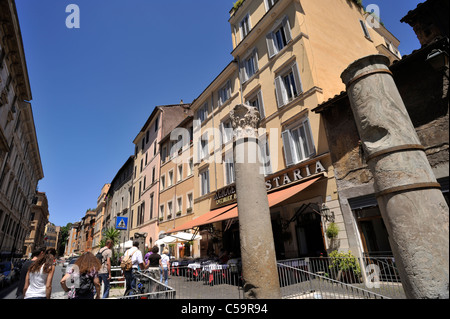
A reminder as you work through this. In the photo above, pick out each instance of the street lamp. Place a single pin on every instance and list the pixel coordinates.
(326, 213)
(438, 59)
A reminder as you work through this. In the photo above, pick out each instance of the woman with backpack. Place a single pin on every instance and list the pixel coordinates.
(85, 271)
(38, 282)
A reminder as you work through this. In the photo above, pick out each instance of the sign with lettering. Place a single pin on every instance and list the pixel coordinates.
(228, 194)
(225, 195)
(293, 176)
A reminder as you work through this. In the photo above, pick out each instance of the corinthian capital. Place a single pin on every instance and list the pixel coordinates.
(245, 120)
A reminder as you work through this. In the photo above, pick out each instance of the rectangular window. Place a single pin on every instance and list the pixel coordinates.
(249, 66)
(257, 101)
(161, 211)
(365, 30)
(298, 143)
(179, 205)
(190, 201)
(244, 26)
(270, 4)
(224, 93)
(169, 209)
(227, 131)
(229, 172)
(191, 166)
(279, 37)
(202, 112)
(180, 173)
(203, 151)
(151, 206)
(153, 175)
(163, 182)
(170, 179)
(288, 85)
(204, 182)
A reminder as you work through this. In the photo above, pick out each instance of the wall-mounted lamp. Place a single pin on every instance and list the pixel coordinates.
(326, 213)
(438, 59)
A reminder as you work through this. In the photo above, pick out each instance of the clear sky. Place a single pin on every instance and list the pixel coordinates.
(94, 87)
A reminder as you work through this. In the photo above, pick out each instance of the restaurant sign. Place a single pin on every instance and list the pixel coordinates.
(225, 194)
(228, 193)
(294, 176)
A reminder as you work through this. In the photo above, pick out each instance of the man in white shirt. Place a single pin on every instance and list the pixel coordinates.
(138, 264)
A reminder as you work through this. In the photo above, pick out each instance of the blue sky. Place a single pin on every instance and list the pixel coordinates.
(94, 87)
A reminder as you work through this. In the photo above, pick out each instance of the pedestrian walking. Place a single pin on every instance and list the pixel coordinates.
(154, 264)
(24, 270)
(165, 266)
(104, 274)
(137, 263)
(85, 274)
(38, 281)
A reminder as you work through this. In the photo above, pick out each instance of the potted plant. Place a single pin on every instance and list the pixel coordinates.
(189, 210)
(179, 213)
(347, 265)
(332, 230)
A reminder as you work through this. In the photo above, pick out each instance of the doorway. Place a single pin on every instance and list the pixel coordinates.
(374, 235)
(310, 237)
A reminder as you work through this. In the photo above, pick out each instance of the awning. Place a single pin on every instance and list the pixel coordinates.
(203, 219)
(178, 237)
(231, 211)
(280, 196)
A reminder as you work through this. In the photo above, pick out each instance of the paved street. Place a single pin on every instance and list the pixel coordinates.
(57, 292)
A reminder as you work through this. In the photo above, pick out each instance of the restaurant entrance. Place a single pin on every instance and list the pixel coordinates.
(309, 232)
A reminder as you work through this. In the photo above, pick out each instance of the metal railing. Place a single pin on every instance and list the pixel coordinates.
(150, 288)
(300, 284)
(317, 278)
(212, 281)
(377, 275)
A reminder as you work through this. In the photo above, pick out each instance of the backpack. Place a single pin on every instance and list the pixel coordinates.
(86, 285)
(126, 263)
(99, 255)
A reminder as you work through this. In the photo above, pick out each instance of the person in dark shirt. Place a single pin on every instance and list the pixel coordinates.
(154, 263)
(23, 271)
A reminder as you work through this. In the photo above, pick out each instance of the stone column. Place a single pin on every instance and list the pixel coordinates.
(411, 202)
(257, 246)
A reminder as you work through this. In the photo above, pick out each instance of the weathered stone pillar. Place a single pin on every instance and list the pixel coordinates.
(257, 246)
(411, 202)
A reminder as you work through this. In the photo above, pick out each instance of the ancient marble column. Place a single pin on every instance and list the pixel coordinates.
(410, 200)
(259, 267)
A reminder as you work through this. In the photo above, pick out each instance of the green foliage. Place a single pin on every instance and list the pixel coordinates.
(111, 233)
(345, 262)
(237, 4)
(332, 230)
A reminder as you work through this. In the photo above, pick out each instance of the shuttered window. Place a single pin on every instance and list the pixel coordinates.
(279, 37)
(298, 143)
(257, 101)
(224, 93)
(288, 85)
(249, 66)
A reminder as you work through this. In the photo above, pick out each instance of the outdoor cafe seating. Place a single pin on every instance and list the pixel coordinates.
(208, 270)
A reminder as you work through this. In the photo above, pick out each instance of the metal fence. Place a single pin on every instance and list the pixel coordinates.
(149, 287)
(211, 281)
(343, 277)
(304, 278)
